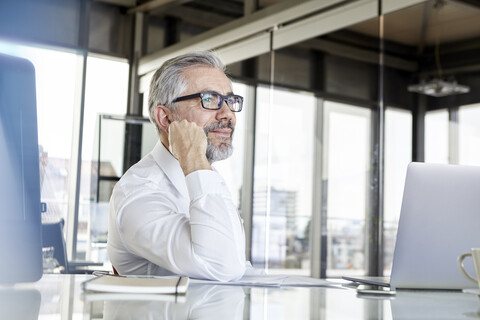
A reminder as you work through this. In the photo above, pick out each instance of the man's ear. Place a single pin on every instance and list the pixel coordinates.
(162, 117)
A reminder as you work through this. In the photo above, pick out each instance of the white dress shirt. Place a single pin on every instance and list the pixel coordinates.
(163, 223)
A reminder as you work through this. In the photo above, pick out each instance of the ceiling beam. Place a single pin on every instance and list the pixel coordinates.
(196, 17)
(123, 3)
(233, 8)
(336, 19)
(394, 5)
(358, 54)
(156, 5)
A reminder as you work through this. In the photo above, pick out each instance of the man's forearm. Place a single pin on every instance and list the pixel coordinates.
(216, 228)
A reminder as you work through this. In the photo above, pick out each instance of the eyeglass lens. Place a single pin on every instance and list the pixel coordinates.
(211, 100)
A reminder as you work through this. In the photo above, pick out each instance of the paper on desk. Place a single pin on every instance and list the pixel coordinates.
(274, 281)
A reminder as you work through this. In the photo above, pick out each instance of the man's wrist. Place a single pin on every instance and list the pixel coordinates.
(194, 164)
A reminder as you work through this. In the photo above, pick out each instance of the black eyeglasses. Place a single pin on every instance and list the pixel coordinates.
(212, 100)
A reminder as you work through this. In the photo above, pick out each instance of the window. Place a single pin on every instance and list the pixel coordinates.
(57, 80)
(283, 182)
(469, 134)
(436, 136)
(346, 163)
(58, 84)
(398, 154)
(106, 92)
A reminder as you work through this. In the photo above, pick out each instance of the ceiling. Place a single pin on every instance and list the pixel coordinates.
(415, 29)
(446, 21)
(419, 26)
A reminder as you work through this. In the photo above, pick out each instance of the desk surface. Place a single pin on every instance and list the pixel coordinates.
(61, 297)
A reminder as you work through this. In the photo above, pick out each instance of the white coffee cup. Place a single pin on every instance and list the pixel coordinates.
(475, 254)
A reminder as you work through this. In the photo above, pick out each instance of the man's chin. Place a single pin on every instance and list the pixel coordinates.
(218, 153)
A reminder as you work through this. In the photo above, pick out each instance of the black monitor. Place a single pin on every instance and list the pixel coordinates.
(20, 211)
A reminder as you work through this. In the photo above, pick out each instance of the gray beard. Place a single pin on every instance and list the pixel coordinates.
(225, 149)
(214, 153)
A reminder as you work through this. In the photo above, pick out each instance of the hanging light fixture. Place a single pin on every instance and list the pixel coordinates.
(438, 86)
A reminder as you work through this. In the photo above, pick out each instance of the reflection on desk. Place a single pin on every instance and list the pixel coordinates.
(61, 297)
(19, 304)
(201, 302)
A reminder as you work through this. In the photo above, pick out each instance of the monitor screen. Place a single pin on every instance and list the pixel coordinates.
(20, 211)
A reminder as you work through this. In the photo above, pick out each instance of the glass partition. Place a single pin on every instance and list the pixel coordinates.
(283, 182)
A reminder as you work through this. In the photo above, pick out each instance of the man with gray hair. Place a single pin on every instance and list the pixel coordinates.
(171, 213)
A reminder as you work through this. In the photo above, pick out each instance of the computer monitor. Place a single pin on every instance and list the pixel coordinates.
(20, 210)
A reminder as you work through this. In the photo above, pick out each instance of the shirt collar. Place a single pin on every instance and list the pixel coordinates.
(171, 167)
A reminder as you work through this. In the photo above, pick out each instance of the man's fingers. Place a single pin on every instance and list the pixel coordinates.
(186, 138)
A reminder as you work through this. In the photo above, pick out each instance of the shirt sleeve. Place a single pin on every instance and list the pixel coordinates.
(207, 244)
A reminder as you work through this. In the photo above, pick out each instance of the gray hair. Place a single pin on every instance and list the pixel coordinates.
(168, 82)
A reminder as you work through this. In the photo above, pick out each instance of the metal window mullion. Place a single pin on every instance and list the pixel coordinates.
(418, 128)
(317, 220)
(75, 163)
(249, 156)
(134, 105)
(374, 219)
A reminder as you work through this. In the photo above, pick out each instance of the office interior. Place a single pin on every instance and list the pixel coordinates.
(340, 97)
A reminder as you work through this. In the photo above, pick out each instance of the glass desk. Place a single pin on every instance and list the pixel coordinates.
(62, 297)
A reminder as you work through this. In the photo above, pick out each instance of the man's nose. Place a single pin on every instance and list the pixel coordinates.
(224, 112)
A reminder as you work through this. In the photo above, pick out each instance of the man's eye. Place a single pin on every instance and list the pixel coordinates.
(207, 98)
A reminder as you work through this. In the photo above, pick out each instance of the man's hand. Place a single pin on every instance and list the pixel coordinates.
(188, 143)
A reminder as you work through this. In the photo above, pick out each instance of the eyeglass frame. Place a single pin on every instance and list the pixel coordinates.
(219, 106)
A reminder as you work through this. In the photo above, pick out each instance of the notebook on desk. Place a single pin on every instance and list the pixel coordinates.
(439, 220)
(137, 284)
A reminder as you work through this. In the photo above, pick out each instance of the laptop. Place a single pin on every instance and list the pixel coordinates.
(439, 220)
(20, 211)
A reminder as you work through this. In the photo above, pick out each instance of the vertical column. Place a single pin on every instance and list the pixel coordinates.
(318, 226)
(76, 160)
(77, 135)
(418, 143)
(133, 132)
(318, 223)
(374, 219)
(134, 105)
(246, 202)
